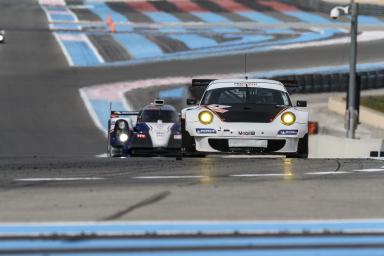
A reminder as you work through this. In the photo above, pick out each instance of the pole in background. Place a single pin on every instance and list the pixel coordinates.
(352, 114)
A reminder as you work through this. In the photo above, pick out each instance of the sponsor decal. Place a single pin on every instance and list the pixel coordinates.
(177, 136)
(245, 133)
(160, 134)
(288, 132)
(218, 108)
(205, 130)
(246, 84)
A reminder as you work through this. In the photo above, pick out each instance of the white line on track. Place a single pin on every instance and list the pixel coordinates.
(168, 177)
(326, 173)
(248, 156)
(369, 170)
(260, 175)
(59, 179)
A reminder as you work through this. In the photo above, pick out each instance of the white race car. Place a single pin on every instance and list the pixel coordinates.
(245, 116)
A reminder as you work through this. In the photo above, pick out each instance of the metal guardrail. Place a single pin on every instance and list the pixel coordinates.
(337, 82)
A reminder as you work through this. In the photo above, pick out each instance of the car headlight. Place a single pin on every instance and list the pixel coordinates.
(123, 137)
(205, 117)
(288, 118)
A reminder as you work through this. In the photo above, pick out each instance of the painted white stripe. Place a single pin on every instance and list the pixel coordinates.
(247, 156)
(59, 179)
(105, 155)
(369, 170)
(260, 175)
(91, 110)
(168, 177)
(93, 48)
(326, 173)
(65, 52)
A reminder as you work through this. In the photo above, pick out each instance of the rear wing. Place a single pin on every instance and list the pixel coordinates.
(115, 114)
(289, 83)
(202, 82)
(198, 87)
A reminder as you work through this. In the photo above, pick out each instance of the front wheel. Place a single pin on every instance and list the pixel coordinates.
(302, 149)
(188, 145)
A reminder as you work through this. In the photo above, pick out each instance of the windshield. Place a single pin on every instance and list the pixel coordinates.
(152, 116)
(246, 95)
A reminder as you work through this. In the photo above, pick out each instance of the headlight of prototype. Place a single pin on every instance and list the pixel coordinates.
(205, 117)
(288, 118)
(123, 137)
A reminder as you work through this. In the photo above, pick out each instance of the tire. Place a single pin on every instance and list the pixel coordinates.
(188, 146)
(302, 149)
(113, 152)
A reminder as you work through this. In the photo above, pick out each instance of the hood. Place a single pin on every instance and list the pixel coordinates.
(246, 113)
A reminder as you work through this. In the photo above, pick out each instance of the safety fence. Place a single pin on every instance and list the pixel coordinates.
(337, 82)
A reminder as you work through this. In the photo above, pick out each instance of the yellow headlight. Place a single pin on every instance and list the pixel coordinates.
(205, 117)
(288, 118)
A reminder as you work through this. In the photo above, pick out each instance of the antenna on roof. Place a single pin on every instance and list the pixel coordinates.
(245, 67)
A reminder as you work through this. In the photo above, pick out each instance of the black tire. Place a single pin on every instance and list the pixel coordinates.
(302, 149)
(115, 152)
(188, 146)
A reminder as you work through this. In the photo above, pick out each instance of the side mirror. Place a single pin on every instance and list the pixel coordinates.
(301, 103)
(191, 101)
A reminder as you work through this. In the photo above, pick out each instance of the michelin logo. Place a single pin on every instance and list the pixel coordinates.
(288, 132)
(205, 130)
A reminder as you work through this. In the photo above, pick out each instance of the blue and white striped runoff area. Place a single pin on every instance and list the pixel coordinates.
(332, 237)
(218, 32)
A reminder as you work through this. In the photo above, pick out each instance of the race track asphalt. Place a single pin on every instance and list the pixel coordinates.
(46, 132)
(88, 189)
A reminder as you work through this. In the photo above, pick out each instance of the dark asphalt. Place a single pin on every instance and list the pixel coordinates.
(82, 188)
(41, 112)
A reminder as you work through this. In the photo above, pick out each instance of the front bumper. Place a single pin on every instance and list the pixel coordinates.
(222, 145)
(145, 146)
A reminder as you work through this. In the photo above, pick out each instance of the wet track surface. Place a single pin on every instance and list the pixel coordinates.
(210, 188)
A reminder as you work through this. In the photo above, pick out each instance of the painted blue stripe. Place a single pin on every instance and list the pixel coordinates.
(55, 8)
(211, 17)
(245, 39)
(66, 26)
(173, 93)
(238, 48)
(259, 17)
(193, 41)
(307, 17)
(101, 108)
(62, 17)
(80, 53)
(161, 17)
(363, 19)
(308, 252)
(180, 242)
(142, 228)
(139, 46)
(102, 10)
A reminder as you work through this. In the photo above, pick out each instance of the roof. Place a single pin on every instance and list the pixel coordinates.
(262, 83)
(159, 107)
